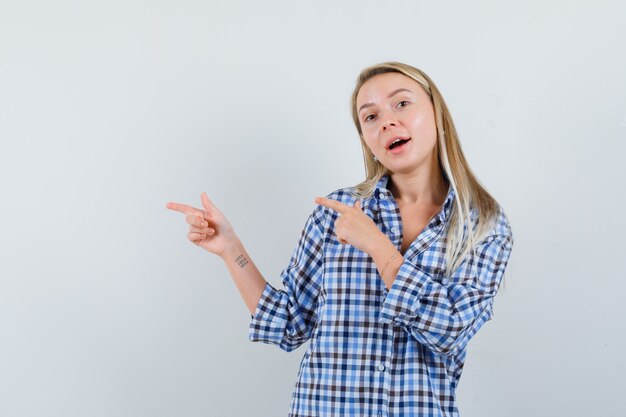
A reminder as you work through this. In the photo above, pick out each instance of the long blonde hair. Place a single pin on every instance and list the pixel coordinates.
(469, 193)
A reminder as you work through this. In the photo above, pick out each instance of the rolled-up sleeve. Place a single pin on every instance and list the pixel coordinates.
(286, 317)
(443, 314)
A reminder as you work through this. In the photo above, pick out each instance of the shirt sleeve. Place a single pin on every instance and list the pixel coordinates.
(286, 317)
(443, 314)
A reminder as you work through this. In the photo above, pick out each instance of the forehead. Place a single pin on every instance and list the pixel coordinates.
(379, 86)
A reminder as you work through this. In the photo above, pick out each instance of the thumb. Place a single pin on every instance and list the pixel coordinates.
(358, 204)
(207, 204)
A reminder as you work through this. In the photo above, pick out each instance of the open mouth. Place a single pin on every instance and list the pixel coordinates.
(398, 146)
(398, 143)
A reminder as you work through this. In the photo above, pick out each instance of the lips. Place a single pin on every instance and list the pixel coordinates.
(393, 139)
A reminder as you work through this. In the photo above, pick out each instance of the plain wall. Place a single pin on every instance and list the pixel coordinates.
(110, 109)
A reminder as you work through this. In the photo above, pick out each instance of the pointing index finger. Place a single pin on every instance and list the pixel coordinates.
(333, 204)
(183, 208)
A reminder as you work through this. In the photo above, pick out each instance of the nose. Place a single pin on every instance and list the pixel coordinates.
(388, 124)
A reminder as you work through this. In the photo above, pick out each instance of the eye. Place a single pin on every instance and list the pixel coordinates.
(367, 118)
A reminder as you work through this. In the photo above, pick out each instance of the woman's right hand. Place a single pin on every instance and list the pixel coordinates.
(208, 228)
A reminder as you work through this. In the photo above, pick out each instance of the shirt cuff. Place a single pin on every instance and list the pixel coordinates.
(269, 320)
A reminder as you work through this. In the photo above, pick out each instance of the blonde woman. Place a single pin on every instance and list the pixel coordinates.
(391, 278)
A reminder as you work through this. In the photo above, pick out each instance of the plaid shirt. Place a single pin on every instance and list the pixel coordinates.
(374, 351)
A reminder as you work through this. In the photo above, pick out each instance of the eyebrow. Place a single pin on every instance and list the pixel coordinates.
(389, 96)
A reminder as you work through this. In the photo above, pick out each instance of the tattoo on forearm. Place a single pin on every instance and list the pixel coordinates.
(241, 260)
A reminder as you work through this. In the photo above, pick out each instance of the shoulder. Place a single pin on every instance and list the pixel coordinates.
(345, 195)
(498, 224)
(501, 225)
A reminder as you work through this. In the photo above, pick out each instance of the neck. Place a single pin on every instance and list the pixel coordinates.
(418, 189)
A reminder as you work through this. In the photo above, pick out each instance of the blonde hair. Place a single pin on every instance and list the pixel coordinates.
(454, 168)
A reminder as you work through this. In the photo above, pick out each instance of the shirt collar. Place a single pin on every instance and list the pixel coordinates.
(382, 192)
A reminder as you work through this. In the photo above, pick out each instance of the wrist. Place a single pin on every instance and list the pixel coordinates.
(232, 249)
(382, 249)
(387, 263)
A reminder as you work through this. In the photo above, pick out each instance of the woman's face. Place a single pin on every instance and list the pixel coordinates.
(392, 106)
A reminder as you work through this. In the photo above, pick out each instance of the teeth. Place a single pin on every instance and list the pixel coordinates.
(395, 141)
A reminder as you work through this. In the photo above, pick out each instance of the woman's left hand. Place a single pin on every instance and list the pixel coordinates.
(353, 226)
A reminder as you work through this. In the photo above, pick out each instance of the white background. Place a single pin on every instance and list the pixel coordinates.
(110, 109)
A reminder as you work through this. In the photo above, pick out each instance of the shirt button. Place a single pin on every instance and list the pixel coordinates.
(381, 367)
(394, 230)
(382, 196)
(380, 413)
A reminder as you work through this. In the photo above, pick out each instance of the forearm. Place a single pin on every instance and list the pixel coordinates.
(382, 252)
(244, 272)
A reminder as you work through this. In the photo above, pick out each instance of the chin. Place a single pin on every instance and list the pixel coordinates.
(402, 168)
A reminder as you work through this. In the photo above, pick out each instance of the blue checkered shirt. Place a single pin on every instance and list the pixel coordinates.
(374, 351)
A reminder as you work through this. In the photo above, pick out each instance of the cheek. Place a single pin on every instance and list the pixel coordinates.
(425, 127)
(368, 129)
(368, 138)
(371, 132)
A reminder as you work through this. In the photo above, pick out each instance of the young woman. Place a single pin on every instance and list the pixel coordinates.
(391, 278)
